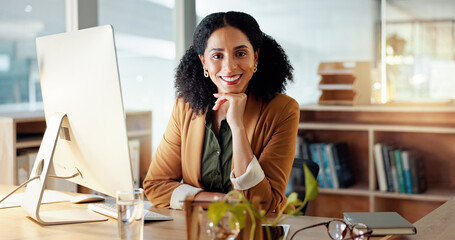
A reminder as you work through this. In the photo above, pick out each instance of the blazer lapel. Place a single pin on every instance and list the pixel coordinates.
(251, 115)
(193, 149)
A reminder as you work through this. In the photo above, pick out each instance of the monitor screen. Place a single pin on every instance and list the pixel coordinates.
(79, 77)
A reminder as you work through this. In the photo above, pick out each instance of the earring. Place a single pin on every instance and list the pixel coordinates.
(206, 73)
(255, 68)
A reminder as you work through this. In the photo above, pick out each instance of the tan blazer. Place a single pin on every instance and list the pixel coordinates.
(272, 132)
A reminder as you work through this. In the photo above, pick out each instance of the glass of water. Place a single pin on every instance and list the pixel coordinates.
(130, 208)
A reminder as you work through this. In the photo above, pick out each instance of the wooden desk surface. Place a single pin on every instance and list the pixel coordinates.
(438, 224)
(14, 224)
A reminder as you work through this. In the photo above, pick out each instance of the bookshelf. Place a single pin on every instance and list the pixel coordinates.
(429, 131)
(23, 131)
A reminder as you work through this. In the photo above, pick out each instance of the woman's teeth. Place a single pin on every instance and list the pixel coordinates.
(230, 78)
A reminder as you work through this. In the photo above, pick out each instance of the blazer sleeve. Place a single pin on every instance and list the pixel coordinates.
(165, 171)
(277, 155)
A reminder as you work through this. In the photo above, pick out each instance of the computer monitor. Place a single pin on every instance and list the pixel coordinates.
(86, 130)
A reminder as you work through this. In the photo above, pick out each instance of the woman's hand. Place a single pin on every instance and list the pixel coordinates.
(241, 149)
(236, 107)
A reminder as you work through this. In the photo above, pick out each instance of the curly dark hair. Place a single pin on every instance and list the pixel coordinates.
(273, 73)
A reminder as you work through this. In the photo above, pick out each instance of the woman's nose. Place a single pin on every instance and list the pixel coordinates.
(229, 64)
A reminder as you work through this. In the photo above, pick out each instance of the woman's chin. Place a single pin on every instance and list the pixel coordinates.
(231, 89)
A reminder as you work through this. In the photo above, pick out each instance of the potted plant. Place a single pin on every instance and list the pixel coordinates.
(229, 215)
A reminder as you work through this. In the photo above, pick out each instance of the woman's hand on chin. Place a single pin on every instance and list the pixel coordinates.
(237, 102)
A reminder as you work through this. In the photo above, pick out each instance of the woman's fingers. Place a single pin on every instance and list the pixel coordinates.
(218, 104)
(237, 101)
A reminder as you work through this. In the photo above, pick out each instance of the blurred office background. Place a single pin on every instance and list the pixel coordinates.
(418, 52)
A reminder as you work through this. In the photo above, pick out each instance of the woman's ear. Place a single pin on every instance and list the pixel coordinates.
(256, 56)
(202, 60)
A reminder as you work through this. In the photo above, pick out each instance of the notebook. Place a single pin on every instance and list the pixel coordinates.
(382, 223)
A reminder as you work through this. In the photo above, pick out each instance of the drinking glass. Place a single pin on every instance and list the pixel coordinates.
(130, 208)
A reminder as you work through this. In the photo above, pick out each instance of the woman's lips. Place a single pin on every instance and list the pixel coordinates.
(231, 80)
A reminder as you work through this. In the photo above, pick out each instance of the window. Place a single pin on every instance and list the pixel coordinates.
(420, 50)
(20, 23)
(144, 39)
(144, 36)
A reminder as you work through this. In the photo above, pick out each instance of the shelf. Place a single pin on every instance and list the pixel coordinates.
(429, 195)
(139, 133)
(336, 72)
(336, 87)
(376, 108)
(356, 190)
(368, 127)
(429, 132)
(28, 143)
(23, 130)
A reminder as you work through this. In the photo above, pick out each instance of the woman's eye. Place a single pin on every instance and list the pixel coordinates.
(241, 54)
(216, 56)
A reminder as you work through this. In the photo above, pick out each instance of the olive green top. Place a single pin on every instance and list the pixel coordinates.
(216, 156)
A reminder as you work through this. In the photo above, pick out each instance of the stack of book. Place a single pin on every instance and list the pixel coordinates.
(334, 163)
(398, 170)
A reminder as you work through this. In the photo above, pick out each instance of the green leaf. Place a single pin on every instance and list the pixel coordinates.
(289, 209)
(233, 222)
(292, 199)
(311, 185)
(217, 210)
(239, 212)
(262, 213)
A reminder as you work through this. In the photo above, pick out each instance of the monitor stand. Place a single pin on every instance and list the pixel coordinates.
(34, 191)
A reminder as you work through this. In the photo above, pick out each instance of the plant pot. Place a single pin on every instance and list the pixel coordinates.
(276, 232)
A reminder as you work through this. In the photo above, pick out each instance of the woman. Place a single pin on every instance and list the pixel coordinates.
(231, 126)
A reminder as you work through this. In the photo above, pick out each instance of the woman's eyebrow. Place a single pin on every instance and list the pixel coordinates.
(216, 49)
(241, 46)
(222, 49)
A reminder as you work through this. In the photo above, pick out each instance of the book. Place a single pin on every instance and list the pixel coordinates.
(380, 171)
(305, 150)
(328, 161)
(406, 170)
(387, 167)
(419, 184)
(302, 148)
(382, 223)
(321, 176)
(341, 158)
(400, 174)
(325, 164)
(393, 167)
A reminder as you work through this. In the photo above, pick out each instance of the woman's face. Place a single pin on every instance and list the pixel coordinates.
(230, 59)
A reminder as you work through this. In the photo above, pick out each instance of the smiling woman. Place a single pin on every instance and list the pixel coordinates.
(232, 127)
(230, 60)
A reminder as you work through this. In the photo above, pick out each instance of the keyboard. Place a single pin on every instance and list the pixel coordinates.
(110, 209)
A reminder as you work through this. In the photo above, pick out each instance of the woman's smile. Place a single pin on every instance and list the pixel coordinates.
(231, 80)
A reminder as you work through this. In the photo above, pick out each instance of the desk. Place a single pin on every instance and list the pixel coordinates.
(14, 224)
(438, 224)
